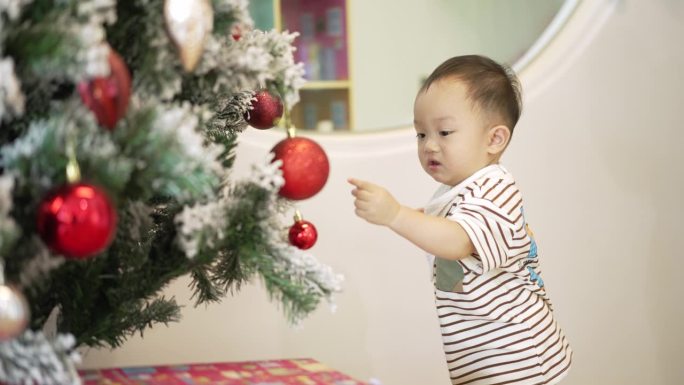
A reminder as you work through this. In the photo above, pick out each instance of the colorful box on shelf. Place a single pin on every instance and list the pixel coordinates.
(277, 372)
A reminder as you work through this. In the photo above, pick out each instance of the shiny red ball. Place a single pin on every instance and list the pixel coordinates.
(305, 167)
(303, 234)
(77, 221)
(265, 112)
(108, 97)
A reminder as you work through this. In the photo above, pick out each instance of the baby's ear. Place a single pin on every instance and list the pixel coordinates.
(498, 136)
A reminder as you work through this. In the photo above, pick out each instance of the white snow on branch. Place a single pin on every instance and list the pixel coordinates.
(11, 98)
(254, 61)
(200, 223)
(9, 230)
(32, 358)
(12, 8)
(182, 122)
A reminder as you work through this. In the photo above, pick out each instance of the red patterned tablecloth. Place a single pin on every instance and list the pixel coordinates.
(278, 372)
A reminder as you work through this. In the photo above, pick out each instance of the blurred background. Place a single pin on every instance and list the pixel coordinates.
(597, 155)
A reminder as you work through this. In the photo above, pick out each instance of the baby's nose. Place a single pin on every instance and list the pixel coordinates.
(431, 145)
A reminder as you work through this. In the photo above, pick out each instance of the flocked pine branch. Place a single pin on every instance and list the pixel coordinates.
(165, 166)
(245, 220)
(9, 231)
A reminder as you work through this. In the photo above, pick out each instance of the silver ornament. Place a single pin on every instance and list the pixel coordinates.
(189, 23)
(14, 313)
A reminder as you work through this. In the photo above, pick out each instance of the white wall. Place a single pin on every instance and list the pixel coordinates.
(597, 155)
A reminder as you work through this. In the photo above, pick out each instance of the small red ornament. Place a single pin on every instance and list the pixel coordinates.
(265, 112)
(305, 167)
(303, 234)
(77, 221)
(108, 96)
(236, 32)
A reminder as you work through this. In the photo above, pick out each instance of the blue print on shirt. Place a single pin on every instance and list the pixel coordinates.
(533, 246)
(535, 277)
(532, 254)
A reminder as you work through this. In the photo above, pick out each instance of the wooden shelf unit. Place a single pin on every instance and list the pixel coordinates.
(323, 47)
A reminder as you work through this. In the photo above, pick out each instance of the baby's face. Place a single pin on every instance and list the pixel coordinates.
(452, 137)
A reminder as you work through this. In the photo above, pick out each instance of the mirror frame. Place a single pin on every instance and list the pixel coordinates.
(554, 27)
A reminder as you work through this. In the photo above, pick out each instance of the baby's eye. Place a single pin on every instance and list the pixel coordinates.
(445, 133)
(420, 135)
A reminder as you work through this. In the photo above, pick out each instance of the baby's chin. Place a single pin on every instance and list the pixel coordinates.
(447, 181)
(437, 178)
(438, 175)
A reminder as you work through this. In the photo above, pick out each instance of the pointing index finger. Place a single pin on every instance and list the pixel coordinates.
(358, 183)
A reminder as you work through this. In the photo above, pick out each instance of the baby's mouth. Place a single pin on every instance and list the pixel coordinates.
(433, 165)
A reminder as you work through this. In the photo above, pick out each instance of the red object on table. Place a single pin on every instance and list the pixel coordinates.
(278, 372)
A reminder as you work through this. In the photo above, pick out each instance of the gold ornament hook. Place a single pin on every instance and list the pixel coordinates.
(298, 216)
(73, 171)
(287, 121)
(287, 117)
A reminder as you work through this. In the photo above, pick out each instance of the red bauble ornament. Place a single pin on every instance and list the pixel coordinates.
(108, 96)
(236, 32)
(265, 112)
(303, 234)
(305, 167)
(77, 221)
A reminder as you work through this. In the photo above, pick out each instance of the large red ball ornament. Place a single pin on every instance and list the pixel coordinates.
(265, 112)
(77, 221)
(305, 167)
(303, 234)
(108, 97)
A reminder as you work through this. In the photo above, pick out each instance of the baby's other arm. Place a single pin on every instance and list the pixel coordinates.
(437, 236)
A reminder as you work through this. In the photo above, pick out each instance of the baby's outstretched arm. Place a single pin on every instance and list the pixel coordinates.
(437, 236)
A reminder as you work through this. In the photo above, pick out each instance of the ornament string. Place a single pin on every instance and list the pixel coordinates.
(291, 130)
(287, 118)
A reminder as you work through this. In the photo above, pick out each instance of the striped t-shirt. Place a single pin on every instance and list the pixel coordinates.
(497, 325)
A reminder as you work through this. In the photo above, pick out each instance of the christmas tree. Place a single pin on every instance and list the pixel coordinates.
(118, 121)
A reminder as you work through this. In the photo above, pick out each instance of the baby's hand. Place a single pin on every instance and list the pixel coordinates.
(373, 203)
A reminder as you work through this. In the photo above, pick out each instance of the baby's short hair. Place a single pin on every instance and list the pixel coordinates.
(492, 87)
